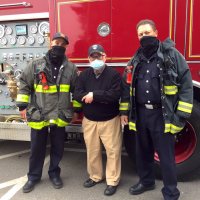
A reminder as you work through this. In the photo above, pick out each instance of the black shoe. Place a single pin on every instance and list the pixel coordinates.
(139, 188)
(29, 186)
(110, 190)
(57, 182)
(90, 183)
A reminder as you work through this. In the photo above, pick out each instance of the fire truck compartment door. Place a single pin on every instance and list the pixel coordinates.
(85, 23)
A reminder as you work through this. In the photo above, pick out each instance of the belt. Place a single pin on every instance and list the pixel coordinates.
(152, 106)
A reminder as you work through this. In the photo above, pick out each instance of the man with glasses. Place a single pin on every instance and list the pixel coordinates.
(98, 89)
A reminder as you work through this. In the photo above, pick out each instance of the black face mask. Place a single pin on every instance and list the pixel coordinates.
(149, 45)
(57, 53)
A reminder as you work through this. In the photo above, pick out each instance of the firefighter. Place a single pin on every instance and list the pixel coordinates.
(159, 101)
(44, 101)
(98, 89)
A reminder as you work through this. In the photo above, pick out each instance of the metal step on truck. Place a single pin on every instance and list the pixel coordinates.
(24, 31)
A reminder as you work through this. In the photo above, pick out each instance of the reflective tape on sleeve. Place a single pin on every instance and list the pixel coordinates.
(38, 125)
(185, 107)
(171, 128)
(167, 128)
(132, 126)
(59, 122)
(22, 98)
(76, 104)
(123, 106)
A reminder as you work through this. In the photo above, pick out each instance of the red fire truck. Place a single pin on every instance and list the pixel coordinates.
(24, 28)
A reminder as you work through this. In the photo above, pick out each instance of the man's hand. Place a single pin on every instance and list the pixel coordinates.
(23, 114)
(124, 120)
(88, 98)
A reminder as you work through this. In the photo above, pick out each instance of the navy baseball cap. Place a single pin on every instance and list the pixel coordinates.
(96, 48)
(61, 35)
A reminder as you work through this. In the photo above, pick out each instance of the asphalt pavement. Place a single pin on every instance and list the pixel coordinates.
(14, 157)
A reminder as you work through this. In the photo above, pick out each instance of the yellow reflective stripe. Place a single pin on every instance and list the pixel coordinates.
(131, 91)
(123, 106)
(132, 126)
(171, 128)
(175, 129)
(167, 128)
(170, 89)
(38, 125)
(22, 98)
(76, 104)
(64, 87)
(62, 123)
(185, 107)
(59, 122)
(39, 88)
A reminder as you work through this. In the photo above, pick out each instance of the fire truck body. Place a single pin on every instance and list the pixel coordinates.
(112, 23)
(24, 28)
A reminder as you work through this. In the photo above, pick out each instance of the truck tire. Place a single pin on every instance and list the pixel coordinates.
(187, 147)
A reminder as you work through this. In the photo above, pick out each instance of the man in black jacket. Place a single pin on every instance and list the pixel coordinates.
(159, 102)
(98, 88)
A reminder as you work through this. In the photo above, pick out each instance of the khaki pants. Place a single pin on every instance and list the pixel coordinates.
(109, 132)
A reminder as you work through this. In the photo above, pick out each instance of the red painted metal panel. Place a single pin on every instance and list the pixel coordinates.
(193, 33)
(125, 16)
(179, 24)
(196, 29)
(192, 38)
(186, 22)
(36, 7)
(80, 20)
(195, 71)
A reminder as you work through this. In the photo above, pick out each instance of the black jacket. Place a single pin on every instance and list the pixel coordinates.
(176, 89)
(106, 93)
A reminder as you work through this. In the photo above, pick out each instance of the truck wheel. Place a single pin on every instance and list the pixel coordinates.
(187, 147)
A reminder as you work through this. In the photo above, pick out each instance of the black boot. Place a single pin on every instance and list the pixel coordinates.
(29, 186)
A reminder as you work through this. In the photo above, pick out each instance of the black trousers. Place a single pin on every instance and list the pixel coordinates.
(151, 138)
(38, 151)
